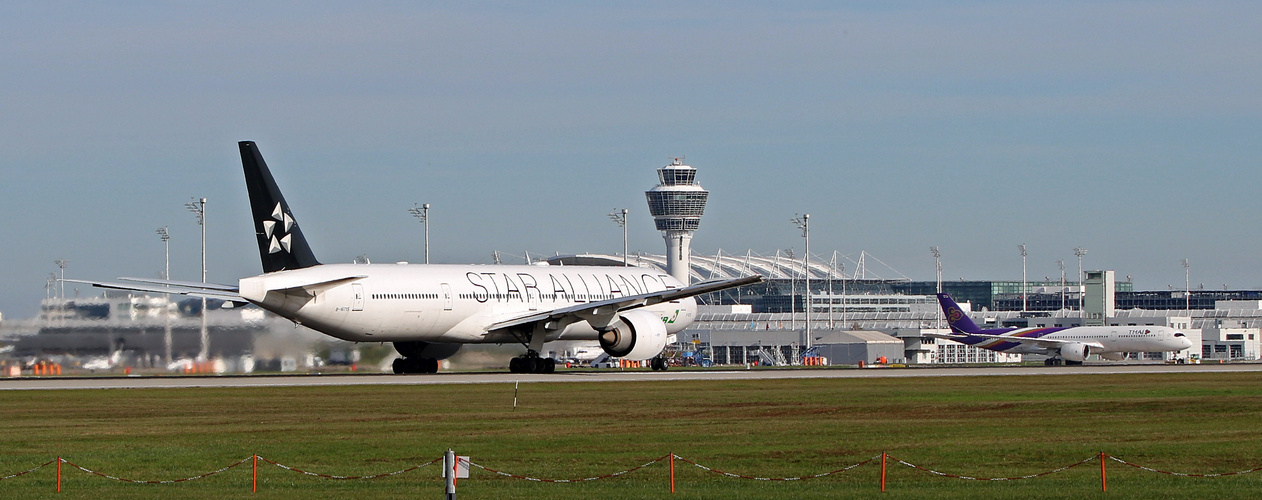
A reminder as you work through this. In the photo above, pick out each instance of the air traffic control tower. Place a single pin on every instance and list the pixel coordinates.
(677, 203)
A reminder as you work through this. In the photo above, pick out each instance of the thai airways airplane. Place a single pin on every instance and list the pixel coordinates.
(430, 311)
(1069, 345)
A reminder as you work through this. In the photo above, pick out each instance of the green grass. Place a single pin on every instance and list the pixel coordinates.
(976, 426)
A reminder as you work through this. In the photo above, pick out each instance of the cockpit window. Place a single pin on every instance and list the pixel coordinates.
(1179, 334)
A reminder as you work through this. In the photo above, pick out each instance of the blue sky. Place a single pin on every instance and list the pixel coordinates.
(1127, 128)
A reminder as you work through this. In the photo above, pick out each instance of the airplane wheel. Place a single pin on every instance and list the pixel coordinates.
(530, 365)
(549, 365)
(398, 366)
(429, 365)
(514, 365)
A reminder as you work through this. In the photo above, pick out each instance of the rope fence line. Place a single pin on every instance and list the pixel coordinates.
(1183, 474)
(1014, 478)
(742, 476)
(330, 476)
(168, 481)
(594, 478)
(882, 457)
(28, 471)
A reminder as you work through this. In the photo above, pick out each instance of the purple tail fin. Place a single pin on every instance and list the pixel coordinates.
(956, 317)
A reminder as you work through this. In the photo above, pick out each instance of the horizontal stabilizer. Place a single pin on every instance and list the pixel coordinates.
(220, 292)
(183, 284)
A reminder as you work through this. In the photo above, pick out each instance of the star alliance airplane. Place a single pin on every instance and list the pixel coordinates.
(1070, 345)
(429, 311)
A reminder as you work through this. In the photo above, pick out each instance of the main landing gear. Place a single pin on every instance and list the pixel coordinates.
(532, 363)
(658, 364)
(415, 365)
(1059, 361)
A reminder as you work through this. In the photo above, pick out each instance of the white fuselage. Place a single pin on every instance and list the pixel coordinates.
(1108, 338)
(450, 303)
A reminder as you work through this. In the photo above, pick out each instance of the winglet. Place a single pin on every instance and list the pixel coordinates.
(956, 317)
(281, 244)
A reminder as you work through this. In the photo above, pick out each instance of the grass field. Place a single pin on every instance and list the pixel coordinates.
(977, 426)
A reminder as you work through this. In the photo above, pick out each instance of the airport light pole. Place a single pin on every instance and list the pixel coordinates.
(61, 264)
(1082, 290)
(804, 223)
(166, 242)
(1023, 279)
(166, 298)
(198, 208)
(832, 276)
(422, 214)
(1061, 263)
(844, 298)
(937, 263)
(1187, 287)
(620, 218)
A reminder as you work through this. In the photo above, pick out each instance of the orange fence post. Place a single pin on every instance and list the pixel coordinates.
(1104, 480)
(58, 474)
(256, 473)
(672, 472)
(883, 471)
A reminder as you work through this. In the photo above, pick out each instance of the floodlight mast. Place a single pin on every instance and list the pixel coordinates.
(1079, 252)
(1061, 263)
(803, 222)
(198, 208)
(620, 218)
(1187, 287)
(166, 242)
(61, 264)
(1023, 278)
(937, 263)
(422, 214)
(166, 298)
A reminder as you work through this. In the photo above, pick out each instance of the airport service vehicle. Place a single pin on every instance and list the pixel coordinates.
(429, 311)
(1067, 345)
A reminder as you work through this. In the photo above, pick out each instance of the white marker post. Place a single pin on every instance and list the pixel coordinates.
(454, 467)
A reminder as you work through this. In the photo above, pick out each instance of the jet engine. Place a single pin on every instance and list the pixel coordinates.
(1075, 352)
(418, 349)
(1113, 356)
(637, 335)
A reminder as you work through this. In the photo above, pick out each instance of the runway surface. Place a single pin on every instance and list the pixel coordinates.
(171, 381)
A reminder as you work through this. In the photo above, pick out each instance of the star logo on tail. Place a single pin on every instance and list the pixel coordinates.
(276, 231)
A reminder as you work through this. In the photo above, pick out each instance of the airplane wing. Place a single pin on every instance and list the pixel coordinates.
(191, 289)
(604, 312)
(1041, 342)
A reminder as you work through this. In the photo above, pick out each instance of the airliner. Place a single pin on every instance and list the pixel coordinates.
(1068, 345)
(429, 311)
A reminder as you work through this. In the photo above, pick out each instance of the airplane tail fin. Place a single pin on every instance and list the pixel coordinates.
(281, 244)
(956, 317)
